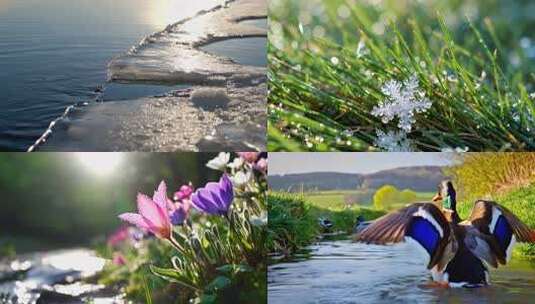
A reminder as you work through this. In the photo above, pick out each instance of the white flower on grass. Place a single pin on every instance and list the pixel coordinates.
(393, 141)
(404, 99)
(237, 163)
(241, 178)
(220, 162)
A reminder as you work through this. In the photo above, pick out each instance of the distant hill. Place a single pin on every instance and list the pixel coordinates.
(423, 179)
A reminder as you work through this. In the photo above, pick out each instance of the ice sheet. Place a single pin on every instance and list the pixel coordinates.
(173, 55)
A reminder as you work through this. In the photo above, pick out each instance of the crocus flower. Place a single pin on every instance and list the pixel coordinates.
(153, 213)
(118, 259)
(220, 162)
(261, 165)
(249, 157)
(184, 193)
(119, 236)
(180, 214)
(214, 198)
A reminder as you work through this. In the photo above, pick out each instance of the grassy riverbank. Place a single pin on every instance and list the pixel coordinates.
(293, 220)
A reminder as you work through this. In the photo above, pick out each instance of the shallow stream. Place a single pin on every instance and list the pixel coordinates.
(345, 272)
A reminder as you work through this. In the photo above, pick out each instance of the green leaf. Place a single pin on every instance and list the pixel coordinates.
(207, 299)
(234, 268)
(220, 282)
(172, 275)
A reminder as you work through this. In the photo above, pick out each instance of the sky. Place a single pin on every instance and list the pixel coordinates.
(288, 163)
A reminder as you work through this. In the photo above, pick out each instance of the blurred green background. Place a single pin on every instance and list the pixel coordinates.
(50, 200)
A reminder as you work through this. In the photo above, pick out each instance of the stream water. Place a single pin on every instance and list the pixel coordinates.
(62, 276)
(345, 272)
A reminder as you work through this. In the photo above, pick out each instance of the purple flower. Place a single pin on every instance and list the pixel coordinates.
(214, 198)
(181, 212)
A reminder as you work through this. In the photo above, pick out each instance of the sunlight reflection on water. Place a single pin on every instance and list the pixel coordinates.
(58, 272)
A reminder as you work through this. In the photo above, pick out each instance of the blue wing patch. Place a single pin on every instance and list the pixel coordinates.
(422, 231)
(503, 232)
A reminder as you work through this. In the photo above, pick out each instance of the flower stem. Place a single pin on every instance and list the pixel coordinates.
(176, 244)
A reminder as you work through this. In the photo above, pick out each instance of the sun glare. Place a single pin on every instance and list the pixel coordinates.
(167, 12)
(101, 163)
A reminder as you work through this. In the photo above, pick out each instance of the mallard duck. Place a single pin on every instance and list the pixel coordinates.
(325, 223)
(360, 224)
(458, 251)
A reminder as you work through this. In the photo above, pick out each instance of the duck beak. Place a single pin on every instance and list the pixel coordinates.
(437, 197)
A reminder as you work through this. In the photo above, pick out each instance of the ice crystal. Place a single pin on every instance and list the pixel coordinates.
(393, 141)
(404, 99)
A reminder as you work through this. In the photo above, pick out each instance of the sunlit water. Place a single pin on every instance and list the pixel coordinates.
(54, 53)
(346, 272)
(247, 51)
(55, 276)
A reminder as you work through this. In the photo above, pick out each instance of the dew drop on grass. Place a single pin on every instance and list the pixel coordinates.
(343, 12)
(335, 60)
(318, 31)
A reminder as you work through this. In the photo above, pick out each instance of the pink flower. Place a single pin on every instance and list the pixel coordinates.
(118, 259)
(184, 193)
(119, 236)
(153, 214)
(262, 165)
(249, 157)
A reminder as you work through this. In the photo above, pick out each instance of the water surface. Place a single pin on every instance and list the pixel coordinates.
(54, 53)
(246, 51)
(345, 272)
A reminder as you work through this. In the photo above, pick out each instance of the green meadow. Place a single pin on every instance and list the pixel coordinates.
(401, 75)
(507, 178)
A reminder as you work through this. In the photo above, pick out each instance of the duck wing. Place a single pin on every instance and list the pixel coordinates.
(421, 222)
(500, 228)
(481, 245)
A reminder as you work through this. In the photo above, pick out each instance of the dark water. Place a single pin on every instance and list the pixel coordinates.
(54, 53)
(345, 272)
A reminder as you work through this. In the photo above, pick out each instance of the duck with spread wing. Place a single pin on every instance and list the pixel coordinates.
(459, 251)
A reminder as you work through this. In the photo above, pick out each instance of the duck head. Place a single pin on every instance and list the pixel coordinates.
(447, 195)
